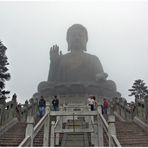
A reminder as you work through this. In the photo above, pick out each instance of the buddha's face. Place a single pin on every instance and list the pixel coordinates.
(77, 39)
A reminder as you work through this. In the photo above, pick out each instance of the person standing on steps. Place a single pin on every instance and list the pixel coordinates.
(94, 103)
(91, 103)
(105, 106)
(42, 105)
(55, 103)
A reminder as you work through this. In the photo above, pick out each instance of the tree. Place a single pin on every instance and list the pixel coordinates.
(4, 75)
(139, 90)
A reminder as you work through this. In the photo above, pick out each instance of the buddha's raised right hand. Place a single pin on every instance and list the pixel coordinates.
(54, 52)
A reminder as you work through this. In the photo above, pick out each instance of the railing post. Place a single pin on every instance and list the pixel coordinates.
(92, 134)
(146, 107)
(136, 107)
(26, 110)
(29, 128)
(59, 119)
(52, 134)
(32, 106)
(2, 113)
(96, 143)
(36, 105)
(125, 111)
(100, 127)
(14, 107)
(46, 126)
(111, 128)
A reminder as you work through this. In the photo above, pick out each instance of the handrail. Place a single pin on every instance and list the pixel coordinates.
(77, 106)
(70, 113)
(7, 112)
(56, 123)
(103, 121)
(40, 124)
(26, 142)
(115, 141)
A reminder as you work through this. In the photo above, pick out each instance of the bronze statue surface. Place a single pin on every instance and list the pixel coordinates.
(76, 69)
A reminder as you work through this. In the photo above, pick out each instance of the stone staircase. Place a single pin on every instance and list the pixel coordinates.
(13, 136)
(130, 134)
(76, 139)
(38, 140)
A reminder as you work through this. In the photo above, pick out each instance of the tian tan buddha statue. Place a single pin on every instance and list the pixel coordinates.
(76, 72)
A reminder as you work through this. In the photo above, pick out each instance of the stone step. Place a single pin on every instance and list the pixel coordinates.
(38, 140)
(11, 138)
(9, 145)
(16, 143)
(75, 140)
(132, 137)
(128, 127)
(136, 145)
(14, 135)
(130, 134)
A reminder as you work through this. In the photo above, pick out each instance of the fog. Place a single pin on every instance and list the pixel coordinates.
(117, 34)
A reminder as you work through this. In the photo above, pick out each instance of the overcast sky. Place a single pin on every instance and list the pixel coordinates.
(117, 31)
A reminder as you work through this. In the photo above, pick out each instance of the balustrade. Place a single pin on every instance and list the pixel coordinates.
(28, 111)
(7, 112)
(130, 110)
(32, 132)
(10, 110)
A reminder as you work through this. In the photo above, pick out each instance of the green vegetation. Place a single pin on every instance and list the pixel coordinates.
(4, 75)
(139, 90)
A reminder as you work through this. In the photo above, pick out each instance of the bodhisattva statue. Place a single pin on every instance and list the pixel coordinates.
(77, 66)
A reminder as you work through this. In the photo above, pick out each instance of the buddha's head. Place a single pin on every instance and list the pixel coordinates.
(77, 38)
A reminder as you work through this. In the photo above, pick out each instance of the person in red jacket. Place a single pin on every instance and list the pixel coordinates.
(105, 106)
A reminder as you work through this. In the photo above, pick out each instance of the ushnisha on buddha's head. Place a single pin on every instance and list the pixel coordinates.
(77, 38)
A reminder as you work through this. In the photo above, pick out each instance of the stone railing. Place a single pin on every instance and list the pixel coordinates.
(141, 109)
(66, 113)
(96, 121)
(7, 111)
(108, 128)
(124, 109)
(10, 110)
(31, 131)
(129, 110)
(29, 108)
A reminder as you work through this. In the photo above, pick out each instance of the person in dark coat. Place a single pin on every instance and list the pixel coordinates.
(55, 103)
(42, 105)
